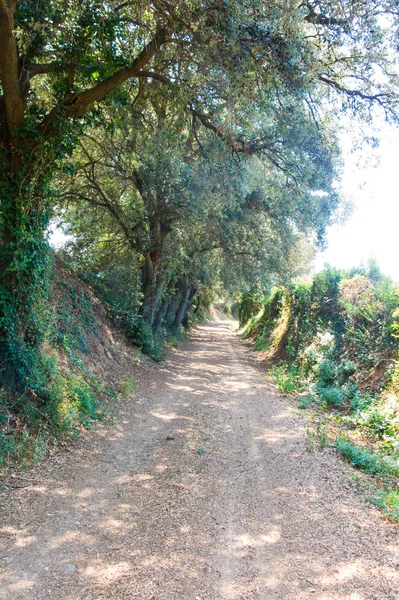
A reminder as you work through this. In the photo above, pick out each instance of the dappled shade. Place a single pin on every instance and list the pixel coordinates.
(203, 487)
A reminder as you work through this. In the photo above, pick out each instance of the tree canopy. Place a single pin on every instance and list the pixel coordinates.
(179, 137)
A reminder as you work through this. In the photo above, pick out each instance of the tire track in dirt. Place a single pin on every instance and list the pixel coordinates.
(202, 489)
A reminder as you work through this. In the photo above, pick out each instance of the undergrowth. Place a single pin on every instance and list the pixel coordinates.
(374, 463)
(141, 335)
(287, 377)
(74, 399)
(333, 343)
(387, 501)
(64, 396)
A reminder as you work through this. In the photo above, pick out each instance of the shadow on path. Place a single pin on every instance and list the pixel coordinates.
(202, 489)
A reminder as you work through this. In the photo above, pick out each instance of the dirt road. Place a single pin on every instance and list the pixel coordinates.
(201, 489)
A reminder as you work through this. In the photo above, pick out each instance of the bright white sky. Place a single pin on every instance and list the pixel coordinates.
(372, 231)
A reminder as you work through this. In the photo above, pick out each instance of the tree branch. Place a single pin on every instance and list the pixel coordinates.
(74, 105)
(153, 75)
(121, 6)
(42, 69)
(320, 19)
(205, 120)
(239, 146)
(356, 93)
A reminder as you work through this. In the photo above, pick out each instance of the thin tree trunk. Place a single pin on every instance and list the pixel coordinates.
(160, 315)
(163, 309)
(185, 322)
(149, 289)
(153, 276)
(183, 305)
(158, 292)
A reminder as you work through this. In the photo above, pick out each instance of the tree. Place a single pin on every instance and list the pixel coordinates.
(60, 61)
(173, 196)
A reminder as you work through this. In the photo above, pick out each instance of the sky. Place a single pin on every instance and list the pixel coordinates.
(372, 230)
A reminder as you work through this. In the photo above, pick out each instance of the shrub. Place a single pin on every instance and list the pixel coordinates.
(379, 421)
(351, 390)
(332, 396)
(388, 501)
(70, 398)
(141, 334)
(250, 303)
(346, 368)
(75, 319)
(7, 446)
(127, 386)
(364, 459)
(360, 403)
(306, 401)
(327, 372)
(287, 378)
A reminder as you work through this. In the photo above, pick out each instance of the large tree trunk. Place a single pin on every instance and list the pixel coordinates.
(182, 306)
(153, 279)
(24, 267)
(24, 216)
(25, 167)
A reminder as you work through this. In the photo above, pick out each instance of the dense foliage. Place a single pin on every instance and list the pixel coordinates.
(337, 331)
(334, 341)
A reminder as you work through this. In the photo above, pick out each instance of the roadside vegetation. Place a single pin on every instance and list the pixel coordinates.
(333, 342)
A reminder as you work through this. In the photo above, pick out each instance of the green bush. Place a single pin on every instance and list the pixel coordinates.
(346, 368)
(388, 501)
(142, 336)
(75, 319)
(327, 372)
(287, 378)
(360, 402)
(7, 446)
(250, 303)
(306, 401)
(337, 338)
(378, 421)
(334, 330)
(332, 396)
(366, 460)
(70, 398)
(351, 390)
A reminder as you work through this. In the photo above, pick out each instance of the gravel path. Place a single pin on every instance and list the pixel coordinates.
(201, 489)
